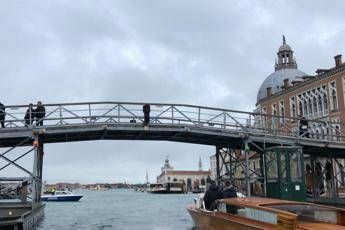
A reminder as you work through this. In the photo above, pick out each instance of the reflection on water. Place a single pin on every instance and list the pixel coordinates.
(120, 209)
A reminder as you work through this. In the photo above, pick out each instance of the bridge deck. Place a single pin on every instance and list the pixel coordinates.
(10, 137)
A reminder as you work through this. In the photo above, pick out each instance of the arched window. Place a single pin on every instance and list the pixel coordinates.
(315, 106)
(310, 107)
(325, 103)
(300, 108)
(305, 108)
(334, 100)
(319, 101)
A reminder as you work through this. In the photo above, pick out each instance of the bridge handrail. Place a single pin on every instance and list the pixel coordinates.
(180, 113)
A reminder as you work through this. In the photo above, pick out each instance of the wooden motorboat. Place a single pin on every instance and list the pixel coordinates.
(265, 213)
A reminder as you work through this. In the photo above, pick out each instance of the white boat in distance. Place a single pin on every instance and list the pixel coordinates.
(61, 196)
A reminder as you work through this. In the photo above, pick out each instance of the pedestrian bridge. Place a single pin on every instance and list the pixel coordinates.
(87, 121)
(226, 129)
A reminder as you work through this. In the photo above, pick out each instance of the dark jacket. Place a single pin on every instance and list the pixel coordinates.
(2, 110)
(40, 111)
(146, 108)
(28, 113)
(229, 193)
(212, 194)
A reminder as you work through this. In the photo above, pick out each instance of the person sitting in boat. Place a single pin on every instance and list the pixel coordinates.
(212, 194)
(229, 192)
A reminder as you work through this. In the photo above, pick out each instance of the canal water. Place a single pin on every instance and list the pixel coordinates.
(119, 209)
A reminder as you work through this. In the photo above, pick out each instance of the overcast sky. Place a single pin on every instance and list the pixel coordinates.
(212, 53)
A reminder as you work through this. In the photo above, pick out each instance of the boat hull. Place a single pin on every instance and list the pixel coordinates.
(210, 221)
(61, 198)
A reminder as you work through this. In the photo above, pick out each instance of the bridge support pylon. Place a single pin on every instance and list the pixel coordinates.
(242, 167)
(37, 172)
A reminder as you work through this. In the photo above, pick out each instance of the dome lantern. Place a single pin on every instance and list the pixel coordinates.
(285, 69)
(285, 57)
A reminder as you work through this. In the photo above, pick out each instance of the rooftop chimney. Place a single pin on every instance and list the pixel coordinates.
(286, 83)
(338, 60)
(269, 91)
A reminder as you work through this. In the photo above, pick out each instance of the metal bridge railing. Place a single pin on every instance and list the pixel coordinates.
(91, 113)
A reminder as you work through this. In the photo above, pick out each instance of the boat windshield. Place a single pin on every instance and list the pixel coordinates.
(62, 192)
(309, 213)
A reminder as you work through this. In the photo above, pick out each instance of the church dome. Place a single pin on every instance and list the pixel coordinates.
(285, 68)
(276, 80)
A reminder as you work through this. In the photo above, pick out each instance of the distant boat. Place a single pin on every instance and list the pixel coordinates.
(169, 187)
(61, 196)
(98, 188)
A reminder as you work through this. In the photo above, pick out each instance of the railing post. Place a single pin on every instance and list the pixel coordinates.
(60, 114)
(90, 112)
(172, 114)
(246, 151)
(224, 119)
(199, 111)
(118, 113)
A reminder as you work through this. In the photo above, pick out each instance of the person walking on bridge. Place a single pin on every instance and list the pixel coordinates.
(40, 112)
(146, 111)
(2, 115)
(303, 127)
(29, 115)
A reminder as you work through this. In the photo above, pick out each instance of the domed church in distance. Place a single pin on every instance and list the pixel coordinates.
(285, 68)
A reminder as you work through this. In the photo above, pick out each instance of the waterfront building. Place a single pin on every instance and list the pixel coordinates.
(193, 180)
(290, 93)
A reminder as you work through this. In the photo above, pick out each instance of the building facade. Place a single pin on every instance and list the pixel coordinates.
(193, 180)
(290, 93)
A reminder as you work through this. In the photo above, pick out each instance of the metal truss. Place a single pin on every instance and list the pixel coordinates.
(23, 188)
(326, 177)
(242, 167)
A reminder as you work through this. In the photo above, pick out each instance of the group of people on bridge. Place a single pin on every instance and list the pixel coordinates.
(32, 114)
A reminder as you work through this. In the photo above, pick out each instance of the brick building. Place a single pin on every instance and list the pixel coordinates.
(320, 98)
(290, 93)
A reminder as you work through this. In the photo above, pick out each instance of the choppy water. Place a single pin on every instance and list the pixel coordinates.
(119, 209)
